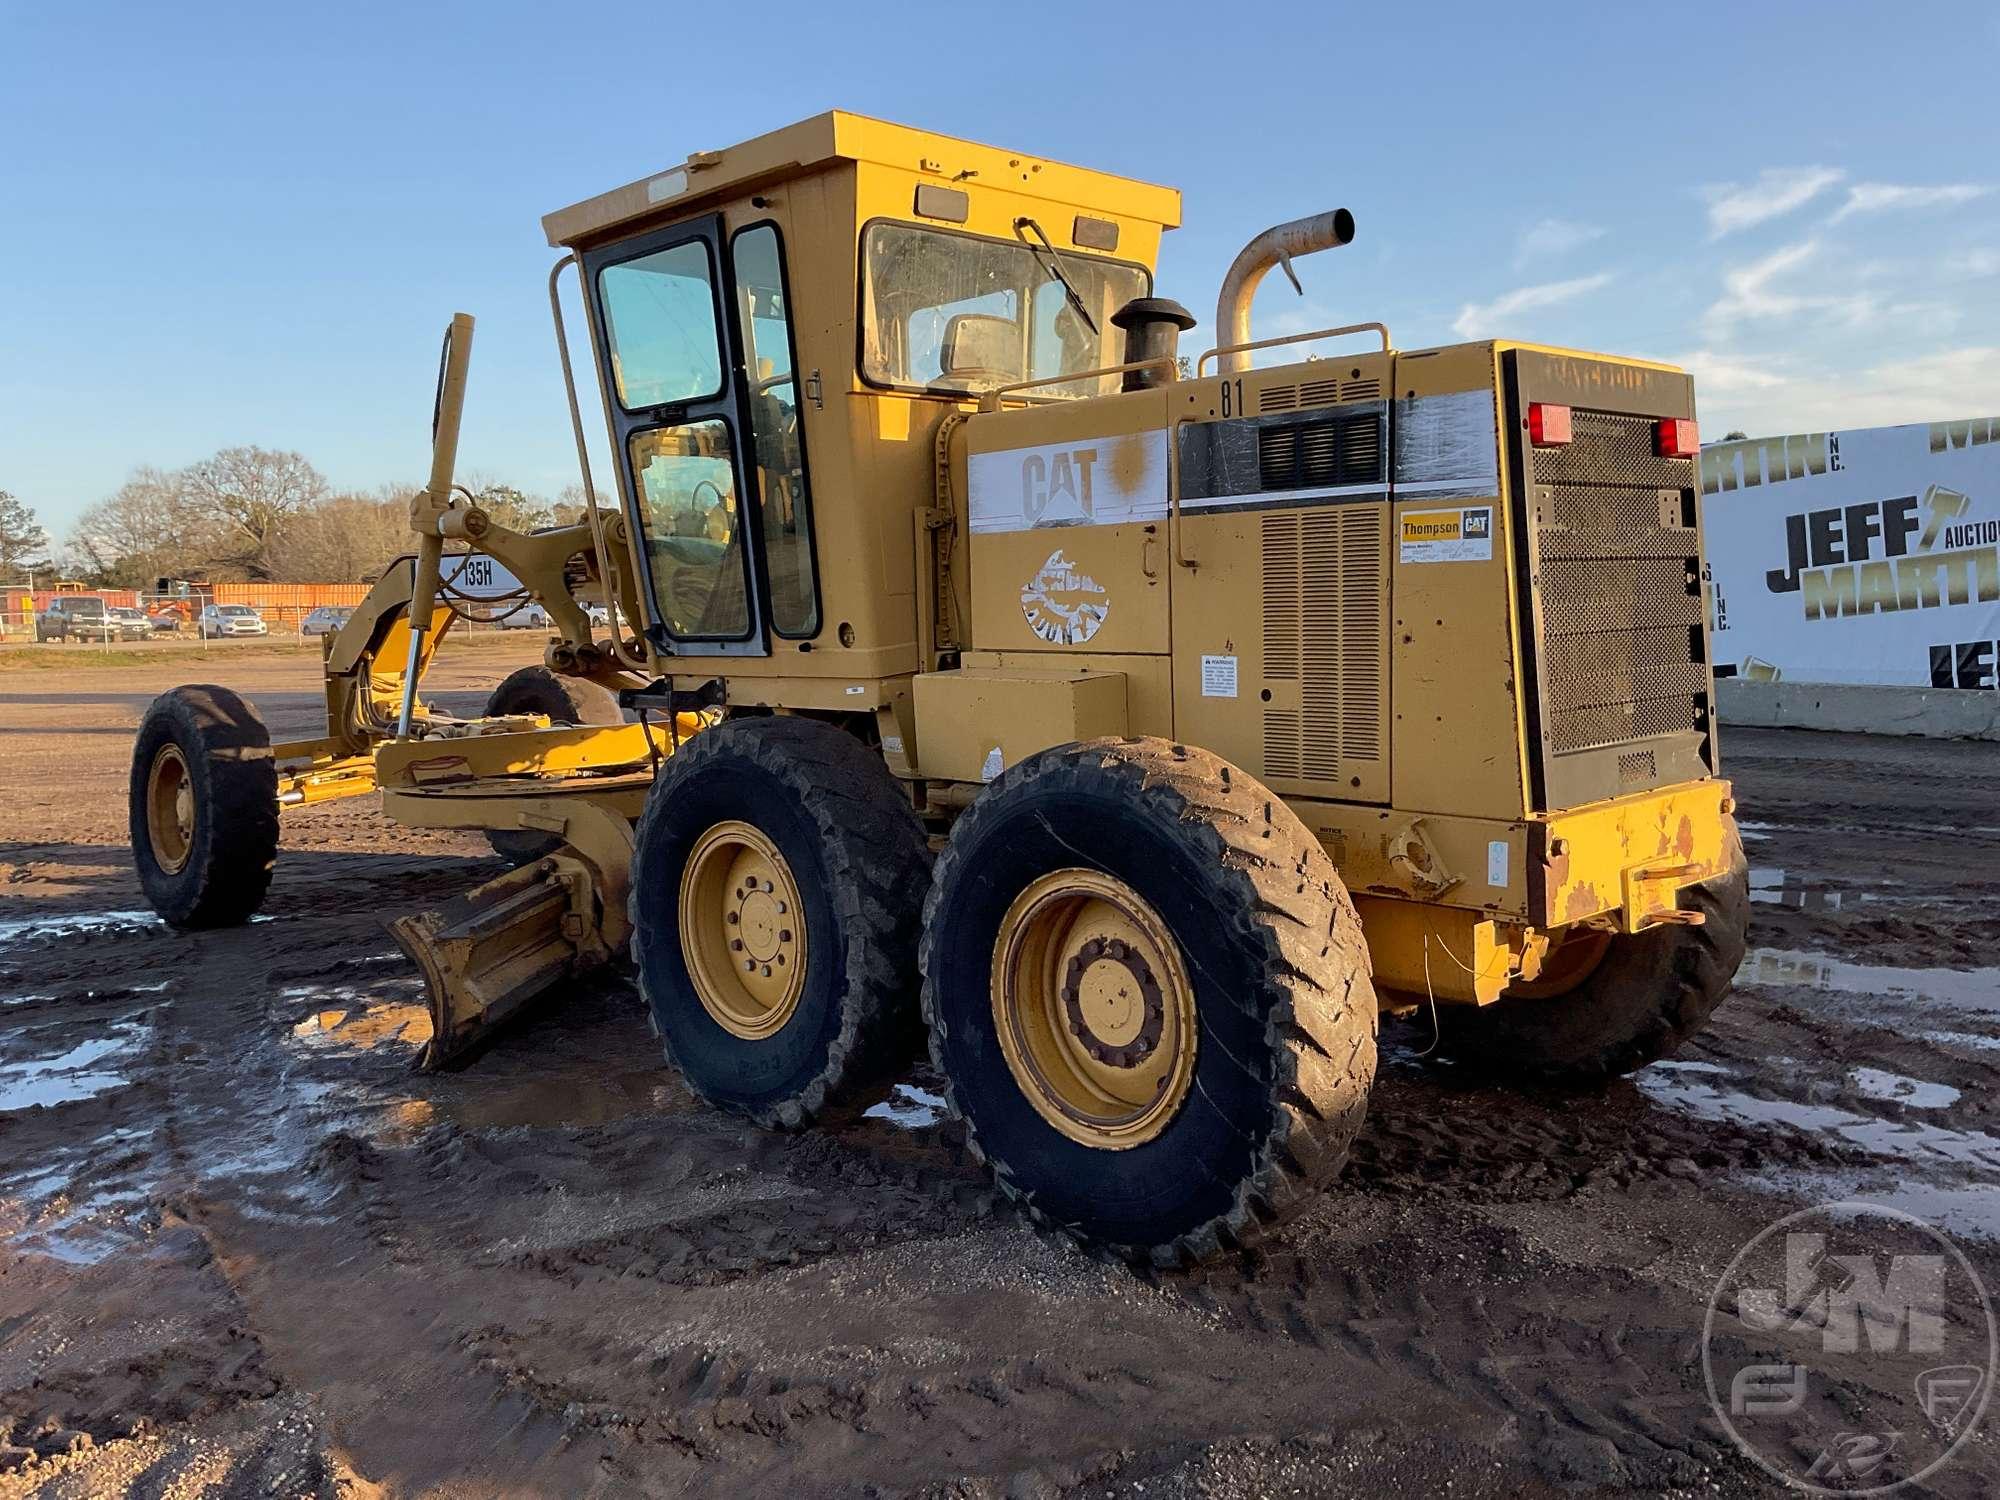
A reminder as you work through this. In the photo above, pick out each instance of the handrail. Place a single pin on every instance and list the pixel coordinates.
(598, 545)
(990, 400)
(1294, 338)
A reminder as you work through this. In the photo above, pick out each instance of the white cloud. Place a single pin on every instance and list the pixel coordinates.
(1777, 190)
(1797, 279)
(1480, 320)
(1880, 197)
(1549, 238)
(1752, 291)
(1722, 374)
(1973, 263)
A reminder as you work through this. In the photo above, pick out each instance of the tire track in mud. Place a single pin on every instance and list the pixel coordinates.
(550, 1271)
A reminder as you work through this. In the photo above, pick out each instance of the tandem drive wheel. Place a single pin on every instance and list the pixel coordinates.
(204, 807)
(1609, 1004)
(1149, 995)
(778, 881)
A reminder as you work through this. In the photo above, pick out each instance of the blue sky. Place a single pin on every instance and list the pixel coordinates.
(247, 224)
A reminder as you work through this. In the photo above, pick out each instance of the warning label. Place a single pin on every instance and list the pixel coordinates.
(1430, 536)
(1218, 677)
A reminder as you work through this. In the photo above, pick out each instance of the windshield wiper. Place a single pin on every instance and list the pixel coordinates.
(1053, 265)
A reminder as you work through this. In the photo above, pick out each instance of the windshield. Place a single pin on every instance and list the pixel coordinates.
(954, 313)
(234, 609)
(83, 606)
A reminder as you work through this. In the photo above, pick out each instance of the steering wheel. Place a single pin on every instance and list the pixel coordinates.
(709, 513)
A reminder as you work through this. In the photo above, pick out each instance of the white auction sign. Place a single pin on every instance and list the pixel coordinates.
(1870, 556)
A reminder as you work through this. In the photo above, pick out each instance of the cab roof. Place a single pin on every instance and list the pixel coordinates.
(840, 136)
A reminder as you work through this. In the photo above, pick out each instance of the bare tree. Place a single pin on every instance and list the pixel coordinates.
(259, 514)
(252, 493)
(347, 538)
(513, 508)
(147, 529)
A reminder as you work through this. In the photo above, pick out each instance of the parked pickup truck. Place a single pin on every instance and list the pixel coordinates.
(76, 617)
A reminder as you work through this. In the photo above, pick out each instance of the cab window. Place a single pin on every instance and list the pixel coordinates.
(953, 313)
(777, 460)
(693, 525)
(659, 315)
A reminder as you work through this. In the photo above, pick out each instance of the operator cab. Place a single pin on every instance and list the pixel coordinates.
(931, 271)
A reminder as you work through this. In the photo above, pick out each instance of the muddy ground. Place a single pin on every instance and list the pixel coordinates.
(244, 1250)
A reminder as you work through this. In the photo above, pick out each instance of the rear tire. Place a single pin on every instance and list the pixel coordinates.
(1279, 1013)
(807, 808)
(565, 700)
(1649, 993)
(204, 807)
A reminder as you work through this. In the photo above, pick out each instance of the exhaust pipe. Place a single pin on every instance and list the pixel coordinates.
(1276, 246)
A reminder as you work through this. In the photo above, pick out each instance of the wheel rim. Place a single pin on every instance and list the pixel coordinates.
(1093, 1009)
(1571, 961)
(743, 930)
(170, 809)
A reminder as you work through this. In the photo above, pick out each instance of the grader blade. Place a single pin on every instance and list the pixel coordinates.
(490, 951)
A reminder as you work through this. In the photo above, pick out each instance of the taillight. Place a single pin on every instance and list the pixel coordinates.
(1548, 426)
(1676, 437)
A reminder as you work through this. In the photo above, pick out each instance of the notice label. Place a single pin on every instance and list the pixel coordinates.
(1434, 536)
(1218, 677)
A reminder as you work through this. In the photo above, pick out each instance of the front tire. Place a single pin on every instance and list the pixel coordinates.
(204, 807)
(1645, 996)
(565, 700)
(783, 845)
(1121, 919)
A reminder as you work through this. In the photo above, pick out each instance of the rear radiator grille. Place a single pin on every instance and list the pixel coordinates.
(1323, 629)
(1622, 652)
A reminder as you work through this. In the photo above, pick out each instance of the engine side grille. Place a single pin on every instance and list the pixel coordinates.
(1323, 628)
(1622, 654)
(1317, 393)
(1343, 447)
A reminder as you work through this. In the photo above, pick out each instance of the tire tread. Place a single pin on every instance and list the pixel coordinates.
(879, 864)
(1316, 1000)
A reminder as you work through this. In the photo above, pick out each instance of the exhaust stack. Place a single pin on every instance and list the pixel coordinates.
(1276, 246)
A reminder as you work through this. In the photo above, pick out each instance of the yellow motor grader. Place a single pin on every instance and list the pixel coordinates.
(1137, 730)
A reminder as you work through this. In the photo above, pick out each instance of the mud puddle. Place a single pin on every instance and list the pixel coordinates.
(74, 1074)
(1961, 989)
(910, 1107)
(1918, 1165)
(79, 1202)
(81, 924)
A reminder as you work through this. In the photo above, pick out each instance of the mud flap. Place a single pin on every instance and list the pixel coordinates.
(487, 953)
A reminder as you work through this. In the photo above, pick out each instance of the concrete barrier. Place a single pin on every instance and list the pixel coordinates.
(1936, 713)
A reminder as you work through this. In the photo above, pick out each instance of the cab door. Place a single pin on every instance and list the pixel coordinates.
(672, 375)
